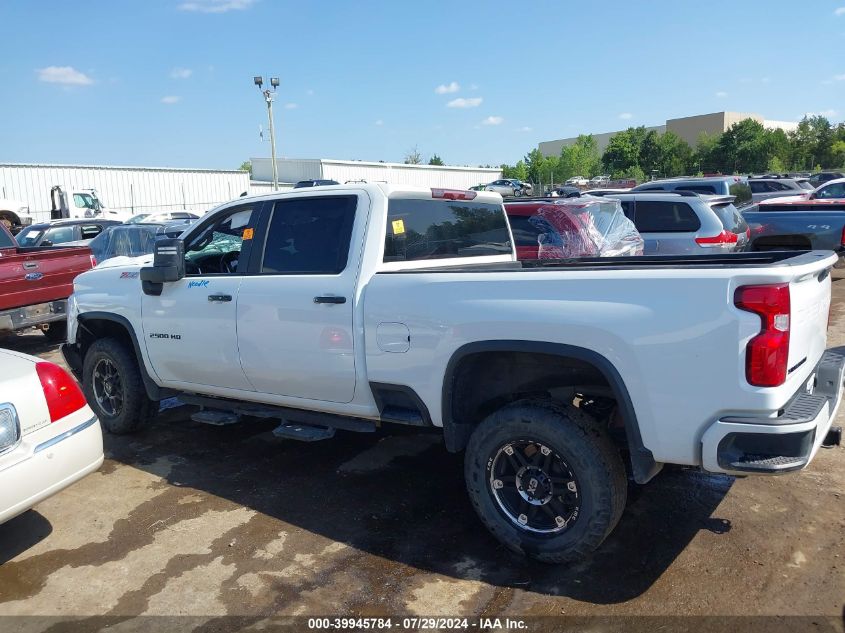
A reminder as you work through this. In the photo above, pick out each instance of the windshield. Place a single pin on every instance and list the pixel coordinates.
(129, 241)
(29, 236)
(135, 219)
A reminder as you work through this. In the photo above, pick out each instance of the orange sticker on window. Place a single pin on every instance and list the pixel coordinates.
(248, 233)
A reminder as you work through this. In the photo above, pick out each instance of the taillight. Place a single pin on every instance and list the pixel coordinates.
(62, 393)
(767, 353)
(453, 194)
(722, 239)
(93, 261)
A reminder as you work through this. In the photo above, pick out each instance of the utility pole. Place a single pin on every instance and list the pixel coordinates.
(268, 97)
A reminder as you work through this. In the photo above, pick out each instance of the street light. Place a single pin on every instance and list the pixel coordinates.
(268, 97)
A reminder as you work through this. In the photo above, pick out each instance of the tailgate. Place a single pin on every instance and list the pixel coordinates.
(33, 276)
(810, 306)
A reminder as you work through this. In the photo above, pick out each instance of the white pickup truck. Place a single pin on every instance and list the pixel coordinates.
(354, 306)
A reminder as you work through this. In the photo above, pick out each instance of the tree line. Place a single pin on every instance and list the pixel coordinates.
(745, 148)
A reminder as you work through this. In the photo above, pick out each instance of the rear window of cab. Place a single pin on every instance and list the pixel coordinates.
(419, 229)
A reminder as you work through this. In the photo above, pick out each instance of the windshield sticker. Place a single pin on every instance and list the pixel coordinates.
(248, 233)
(202, 283)
(398, 227)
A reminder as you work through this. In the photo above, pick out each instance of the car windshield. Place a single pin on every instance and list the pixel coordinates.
(29, 236)
(121, 240)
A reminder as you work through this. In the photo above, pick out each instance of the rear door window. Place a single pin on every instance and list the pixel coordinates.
(709, 189)
(439, 229)
(309, 236)
(60, 235)
(90, 231)
(836, 190)
(663, 216)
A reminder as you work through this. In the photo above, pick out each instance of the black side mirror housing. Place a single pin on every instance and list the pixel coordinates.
(168, 265)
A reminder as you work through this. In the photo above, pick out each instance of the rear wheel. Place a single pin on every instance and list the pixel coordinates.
(112, 383)
(546, 480)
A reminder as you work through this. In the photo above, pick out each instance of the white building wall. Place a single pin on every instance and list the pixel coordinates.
(293, 170)
(137, 189)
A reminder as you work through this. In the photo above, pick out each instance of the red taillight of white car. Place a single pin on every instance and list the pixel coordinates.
(767, 353)
(453, 194)
(62, 393)
(725, 238)
(93, 261)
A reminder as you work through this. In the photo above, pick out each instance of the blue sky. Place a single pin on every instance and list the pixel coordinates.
(169, 82)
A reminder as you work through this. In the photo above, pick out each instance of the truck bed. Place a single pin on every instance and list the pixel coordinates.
(30, 276)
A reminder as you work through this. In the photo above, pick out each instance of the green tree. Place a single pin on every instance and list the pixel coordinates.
(675, 156)
(535, 164)
(812, 143)
(246, 166)
(579, 159)
(413, 157)
(651, 153)
(775, 165)
(743, 148)
(622, 152)
(705, 153)
(837, 152)
(435, 160)
(518, 171)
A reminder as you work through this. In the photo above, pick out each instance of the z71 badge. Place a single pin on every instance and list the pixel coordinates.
(131, 275)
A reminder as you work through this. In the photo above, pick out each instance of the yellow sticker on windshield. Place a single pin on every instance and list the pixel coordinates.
(248, 234)
(398, 227)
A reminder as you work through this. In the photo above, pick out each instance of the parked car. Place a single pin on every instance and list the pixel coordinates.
(133, 240)
(736, 186)
(504, 187)
(315, 183)
(830, 190)
(566, 191)
(577, 181)
(598, 181)
(526, 188)
(558, 229)
(822, 177)
(604, 192)
(686, 223)
(378, 304)
(764, 188)
(35, 283)
(797, 225)
(161, 216)
(80, 232)
(49, 436)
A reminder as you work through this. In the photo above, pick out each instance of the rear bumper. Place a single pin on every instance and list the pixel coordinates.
(788, 442)
(18, 318)
(45, 464)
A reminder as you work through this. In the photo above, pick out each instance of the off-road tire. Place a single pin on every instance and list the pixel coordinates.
(136, 406)
(586, 449)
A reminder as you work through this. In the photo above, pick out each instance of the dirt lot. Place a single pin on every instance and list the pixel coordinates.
(190, 520)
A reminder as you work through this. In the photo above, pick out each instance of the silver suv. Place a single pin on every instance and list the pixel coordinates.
(685, 223)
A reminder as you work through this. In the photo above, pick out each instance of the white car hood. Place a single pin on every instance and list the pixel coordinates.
(122, 260)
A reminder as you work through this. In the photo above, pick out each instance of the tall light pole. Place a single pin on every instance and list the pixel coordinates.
(268, 97)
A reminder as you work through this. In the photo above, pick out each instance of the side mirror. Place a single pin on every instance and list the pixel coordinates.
(168, 265)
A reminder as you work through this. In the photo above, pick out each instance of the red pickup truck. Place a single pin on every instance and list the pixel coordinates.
(35, 284)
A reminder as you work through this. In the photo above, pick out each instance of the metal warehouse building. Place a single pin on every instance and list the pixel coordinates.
(137, 189)
(291, 170)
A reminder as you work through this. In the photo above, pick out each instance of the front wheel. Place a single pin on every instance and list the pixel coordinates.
(112, 383)
(546, 480)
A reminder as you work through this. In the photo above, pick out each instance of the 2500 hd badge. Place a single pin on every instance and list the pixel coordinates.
(175, 337)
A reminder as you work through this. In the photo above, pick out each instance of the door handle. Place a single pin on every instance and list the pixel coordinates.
(329, 299)
(219, 297)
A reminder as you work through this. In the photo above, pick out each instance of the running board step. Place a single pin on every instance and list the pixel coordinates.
(400, 415)
(303, 432)
(768, 463)
(215, 418)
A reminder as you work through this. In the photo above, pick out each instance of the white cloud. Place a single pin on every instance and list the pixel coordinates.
(444, 89)
(181, 73)
(721, 94)
(170, 99)
(379, 122)
(460, 102)
(291, 106)
(839, 11)
(215, 6)
(525, 129)
(626, 115)
(839, 77)
(493, 120)
(67, 75)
